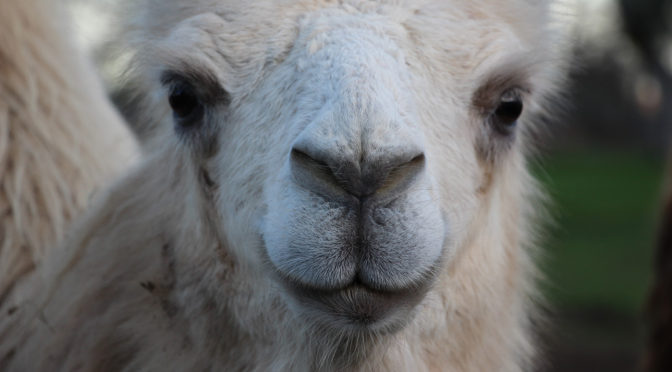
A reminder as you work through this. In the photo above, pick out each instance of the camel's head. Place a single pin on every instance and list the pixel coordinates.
(347, 147)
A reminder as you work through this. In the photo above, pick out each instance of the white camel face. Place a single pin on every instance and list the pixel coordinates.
(348, 148)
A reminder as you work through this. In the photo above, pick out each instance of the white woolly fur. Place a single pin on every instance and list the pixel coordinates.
(175, 267)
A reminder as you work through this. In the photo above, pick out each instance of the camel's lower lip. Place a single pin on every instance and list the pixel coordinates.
(357, 307)
(361, 305)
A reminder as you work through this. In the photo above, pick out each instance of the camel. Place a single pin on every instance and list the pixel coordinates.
(60, 140)
(326, 185)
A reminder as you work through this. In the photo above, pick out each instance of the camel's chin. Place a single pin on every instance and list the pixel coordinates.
(356, 308)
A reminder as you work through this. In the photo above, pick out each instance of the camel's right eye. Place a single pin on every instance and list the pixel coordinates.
(509, 109)
(187, 107)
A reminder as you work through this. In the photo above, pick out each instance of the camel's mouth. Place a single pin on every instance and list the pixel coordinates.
(357, 306)
(360, 266)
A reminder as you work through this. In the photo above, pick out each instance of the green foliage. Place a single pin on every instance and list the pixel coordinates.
(599, 253)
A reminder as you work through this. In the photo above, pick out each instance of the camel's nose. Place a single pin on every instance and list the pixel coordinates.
(331, 173)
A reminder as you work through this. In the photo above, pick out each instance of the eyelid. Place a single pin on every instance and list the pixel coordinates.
(491, 88)
(510, 95)
(516, 92)
(205, 86)
(172, 82)
(171, 78)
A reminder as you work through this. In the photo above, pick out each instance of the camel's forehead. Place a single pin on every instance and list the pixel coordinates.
(477, 8)
(275, 17)
(467, 29)
(450, 15)
(460, 41)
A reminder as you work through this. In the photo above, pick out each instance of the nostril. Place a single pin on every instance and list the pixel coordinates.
(296, 153)
(313, 173)
(401, 174)
(312, 164)
(417, 160)
(333, 177)
(301, 157)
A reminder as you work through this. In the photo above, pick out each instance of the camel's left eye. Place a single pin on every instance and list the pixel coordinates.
(509, 109)
(186, 105)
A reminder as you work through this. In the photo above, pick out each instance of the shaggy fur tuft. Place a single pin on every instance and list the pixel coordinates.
(59, 138)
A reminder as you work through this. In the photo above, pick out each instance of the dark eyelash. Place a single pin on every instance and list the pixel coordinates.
(206, 86)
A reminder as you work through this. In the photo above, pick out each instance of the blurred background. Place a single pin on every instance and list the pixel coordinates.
(602, 163)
